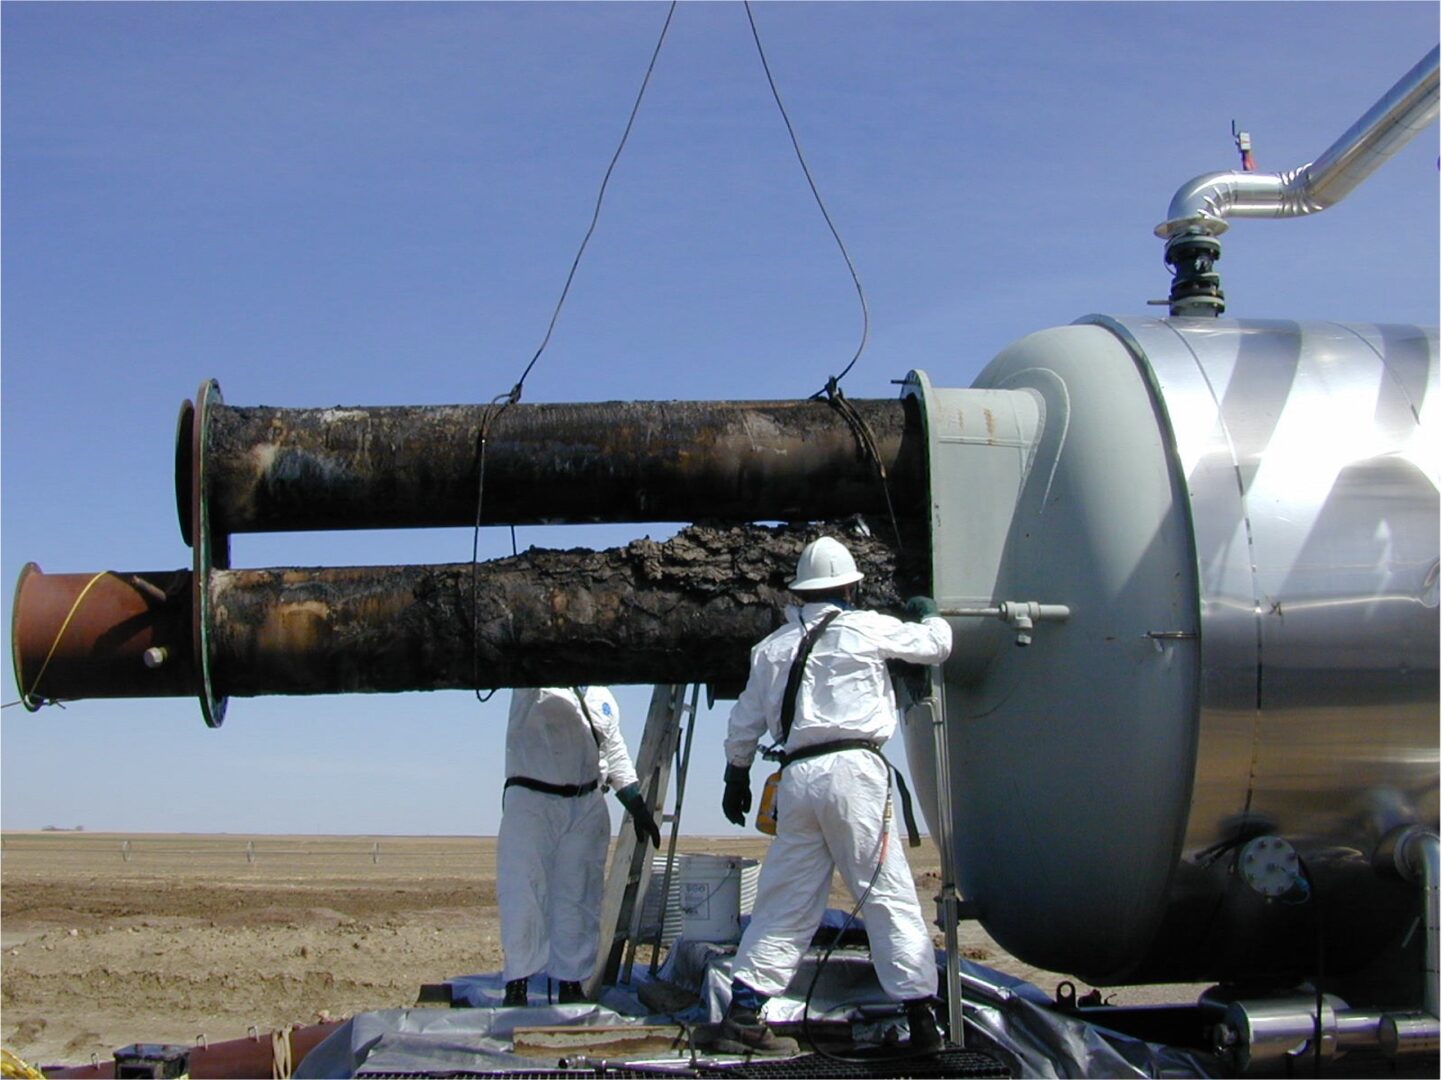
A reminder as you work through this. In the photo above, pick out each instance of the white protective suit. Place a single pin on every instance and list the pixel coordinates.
(830, 808)
(551, 853)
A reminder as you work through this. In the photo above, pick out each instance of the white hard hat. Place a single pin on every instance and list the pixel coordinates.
(825, 564)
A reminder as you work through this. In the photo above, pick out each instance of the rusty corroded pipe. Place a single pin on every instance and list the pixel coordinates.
(687, 610)
(268, 469)
(250, 1056)
(102, 635)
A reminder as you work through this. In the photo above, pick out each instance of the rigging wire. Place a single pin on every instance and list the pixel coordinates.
(867, 438)
(502, 402)
(600, 197)
(832, 390)
(796, 145)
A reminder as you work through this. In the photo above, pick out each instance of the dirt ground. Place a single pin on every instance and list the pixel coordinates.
(108, 940)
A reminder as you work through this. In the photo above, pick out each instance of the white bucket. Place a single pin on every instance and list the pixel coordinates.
(708, 896)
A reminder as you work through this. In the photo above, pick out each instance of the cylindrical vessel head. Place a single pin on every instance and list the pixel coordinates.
(1243, 520)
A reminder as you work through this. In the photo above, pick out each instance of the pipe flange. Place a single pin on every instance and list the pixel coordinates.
(209, 550)
(184, 470)
(1270, 866)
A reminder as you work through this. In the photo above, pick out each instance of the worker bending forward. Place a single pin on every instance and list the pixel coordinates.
(563, 747)
(833, 798)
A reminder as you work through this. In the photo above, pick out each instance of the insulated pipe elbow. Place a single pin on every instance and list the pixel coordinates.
(1205, 202)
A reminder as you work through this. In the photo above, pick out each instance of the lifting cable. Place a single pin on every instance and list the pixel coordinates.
(502, 402)
(800, 157)
(600, 196)
(832, 390)
(867, 441)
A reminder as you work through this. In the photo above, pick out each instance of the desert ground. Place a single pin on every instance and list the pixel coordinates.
(115, 939)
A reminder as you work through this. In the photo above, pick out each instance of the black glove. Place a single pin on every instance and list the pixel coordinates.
(737, 799)
(921, 607)
(641, 819)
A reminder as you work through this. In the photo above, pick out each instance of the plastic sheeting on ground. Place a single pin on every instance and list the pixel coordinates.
(489, 990)
(1019, 1024)
(1016, 1020)
(1004, 1015)
(411, 1041)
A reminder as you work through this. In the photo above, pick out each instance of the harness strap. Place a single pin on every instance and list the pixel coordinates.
(581, 698)
(566, 791)
(913, 837)
(798, 668)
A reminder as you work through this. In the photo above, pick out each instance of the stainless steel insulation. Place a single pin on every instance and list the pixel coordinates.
(1205, 202)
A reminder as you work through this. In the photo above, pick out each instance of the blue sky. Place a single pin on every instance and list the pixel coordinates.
(374, 204)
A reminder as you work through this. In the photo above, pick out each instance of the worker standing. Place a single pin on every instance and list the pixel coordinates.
(833, 803)
(563, 747)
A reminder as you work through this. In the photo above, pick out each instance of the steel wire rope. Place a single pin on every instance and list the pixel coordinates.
(806, 171)
(600, 196)
(832, 390)
(867, 438)
(505, 401)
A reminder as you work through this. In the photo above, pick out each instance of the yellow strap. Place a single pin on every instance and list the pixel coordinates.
(10, 1065)
(27, 695)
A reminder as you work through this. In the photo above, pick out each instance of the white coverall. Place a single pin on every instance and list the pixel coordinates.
(551, 853)
(830, 808)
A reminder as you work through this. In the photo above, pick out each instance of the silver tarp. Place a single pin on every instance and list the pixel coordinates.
(1004, 1016)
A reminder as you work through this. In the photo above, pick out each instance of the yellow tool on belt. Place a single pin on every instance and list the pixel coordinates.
(766, 815)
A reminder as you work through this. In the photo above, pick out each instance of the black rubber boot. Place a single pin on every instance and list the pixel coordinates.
(744, 1032)
(570, 993)
(925, 1038)
(515, 992)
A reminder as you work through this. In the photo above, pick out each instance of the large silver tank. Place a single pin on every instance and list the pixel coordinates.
(1242, 517)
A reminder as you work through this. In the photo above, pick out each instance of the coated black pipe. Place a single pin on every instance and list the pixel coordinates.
(269, 469)
(686, 610)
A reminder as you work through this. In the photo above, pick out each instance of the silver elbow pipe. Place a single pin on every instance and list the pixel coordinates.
(1204, 203)
(1423, 855)
(1418, 859)
(1265, 1032)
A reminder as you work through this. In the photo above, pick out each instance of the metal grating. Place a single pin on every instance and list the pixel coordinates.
(947, 1063)
(609, 1072)
(962, 1063)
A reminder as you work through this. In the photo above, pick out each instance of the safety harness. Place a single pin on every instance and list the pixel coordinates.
(833, 746)
(565, 791)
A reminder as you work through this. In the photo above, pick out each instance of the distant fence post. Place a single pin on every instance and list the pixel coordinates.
(250, 851)
(125, 851)
(376, 852)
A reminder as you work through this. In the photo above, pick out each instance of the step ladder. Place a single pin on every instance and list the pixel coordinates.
(663, 749)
